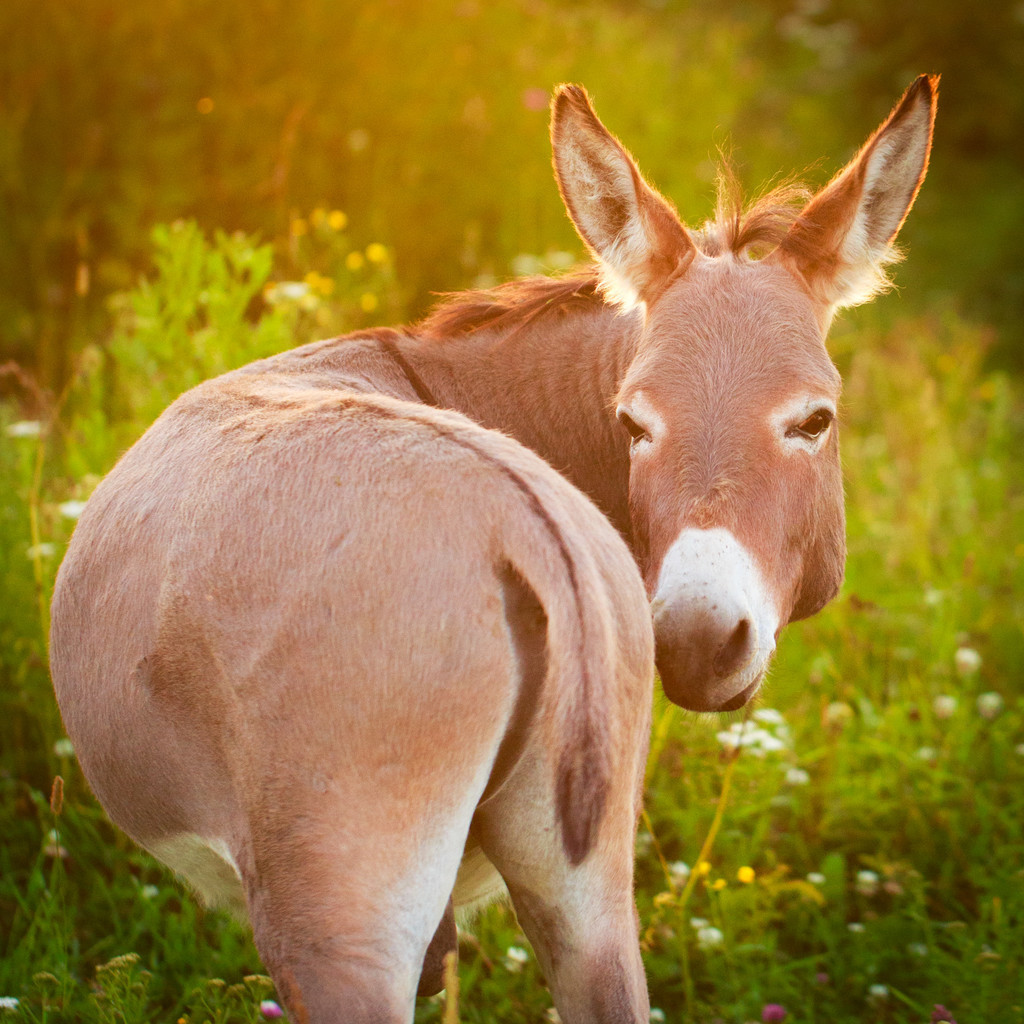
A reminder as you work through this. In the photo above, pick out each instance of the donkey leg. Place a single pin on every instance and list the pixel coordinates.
(581, 920)
(445, 941)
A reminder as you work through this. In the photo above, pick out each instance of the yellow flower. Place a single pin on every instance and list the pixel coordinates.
(354, 260)
(703, 868)
(369, 302)
(319, 283)
(718, 884)
(745, 875)
(376, 253)
(299, 227)
(337, 220)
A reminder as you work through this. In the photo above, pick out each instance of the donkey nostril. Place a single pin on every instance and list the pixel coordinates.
(735, 652)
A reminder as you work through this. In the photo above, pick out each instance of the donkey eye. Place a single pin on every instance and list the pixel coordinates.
(812, 427)
(636, 432)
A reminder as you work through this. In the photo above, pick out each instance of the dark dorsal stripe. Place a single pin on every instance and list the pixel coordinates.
(425, 395)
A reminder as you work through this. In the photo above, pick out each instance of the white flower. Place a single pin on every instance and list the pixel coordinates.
(698, 922)
(878, 992)
(944, 706)
(867, 883)
(515, 957)
(928, 754)
(43, 550)
(11, 1003)
(680, 871)
(657, 1015)
(64, 748)
(856, 927)
(25, 428)
(71, 509)
(816, 878)
(709, 937)
(150, 892)
(917, 949)
(769, 715)
(551, 1014)
(797, 777)
(989, 704)
(838, 713)
(967, 661)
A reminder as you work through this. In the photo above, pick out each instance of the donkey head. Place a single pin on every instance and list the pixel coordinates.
(729, 402)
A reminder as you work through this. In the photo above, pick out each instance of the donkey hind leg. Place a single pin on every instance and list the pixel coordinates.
(581, 920)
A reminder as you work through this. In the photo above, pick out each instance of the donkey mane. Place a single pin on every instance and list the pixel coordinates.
(744, 230)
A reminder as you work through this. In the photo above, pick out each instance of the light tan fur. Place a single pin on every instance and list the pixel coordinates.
(320, 638)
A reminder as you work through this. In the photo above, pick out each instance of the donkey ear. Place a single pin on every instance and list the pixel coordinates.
(632, 230)
(843, 239)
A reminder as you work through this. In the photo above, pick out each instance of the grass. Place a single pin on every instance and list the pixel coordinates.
(865, 863)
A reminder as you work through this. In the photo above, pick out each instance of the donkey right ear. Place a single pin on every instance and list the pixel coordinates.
(630, 228)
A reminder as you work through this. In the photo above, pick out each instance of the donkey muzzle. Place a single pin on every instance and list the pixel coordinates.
(714, 622)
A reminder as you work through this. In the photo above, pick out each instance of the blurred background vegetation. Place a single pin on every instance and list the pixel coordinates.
(426, 120)
(189, 185)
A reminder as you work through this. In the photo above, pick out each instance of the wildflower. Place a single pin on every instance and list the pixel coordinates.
(376, 253)
(53, 847)
(515, 957)
(43, 550)
(745, 875)
(822, 978)
(944, 706)
(816, 878)
(336, 220)
(719, 884)
(878, 993)
(657, 1015)
(551, 1014)
(270, 1009)
(11, 1003)
(838, 713)
(773, 1013)
(967, 661)
(368, 302)
(63, 748)
(150, 892)
(917, 949)
(747, 734)
(71, 509)
(25, 428)
(892, 887)
(940, 1015)
(856, 927)
(771, 716)
(928, 754)
(287, 291)
(867, 883)
(709, 937)
(703, 867)
(989, 704)
(797, 777)
(698, 923)
(355, 260)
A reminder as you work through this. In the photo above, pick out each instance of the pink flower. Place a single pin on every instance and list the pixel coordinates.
(773, 1013)
(270, 1009)
(940, 1015)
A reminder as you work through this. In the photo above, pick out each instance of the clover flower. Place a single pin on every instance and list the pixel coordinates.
(515, 958)
(867, 883)
(797, 777)
(944, 706)
(989, 704)
(657, 1015)
(837, 714)
(25, 428)
(773, 1013)
(270, 1010)
(8, 1003)
(816, 878)
(967, 661)
(709, 937)
(940, 1015)
(878, 993)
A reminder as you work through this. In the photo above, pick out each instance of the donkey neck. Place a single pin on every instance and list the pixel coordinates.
(549, 382)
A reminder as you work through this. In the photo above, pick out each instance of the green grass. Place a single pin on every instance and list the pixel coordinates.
(871, 775)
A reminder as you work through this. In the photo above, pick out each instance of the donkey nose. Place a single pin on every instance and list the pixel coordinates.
(699, 654)
(735, 652)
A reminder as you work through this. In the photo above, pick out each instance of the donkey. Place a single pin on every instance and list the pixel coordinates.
(682, 383)
(308, 640)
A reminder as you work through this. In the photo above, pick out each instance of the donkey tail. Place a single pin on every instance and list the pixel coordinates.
(599, 657)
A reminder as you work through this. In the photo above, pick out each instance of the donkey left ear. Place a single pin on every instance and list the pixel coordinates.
(842, 241)
(629, 227)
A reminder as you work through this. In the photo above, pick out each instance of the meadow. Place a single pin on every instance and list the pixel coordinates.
(851, 849)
